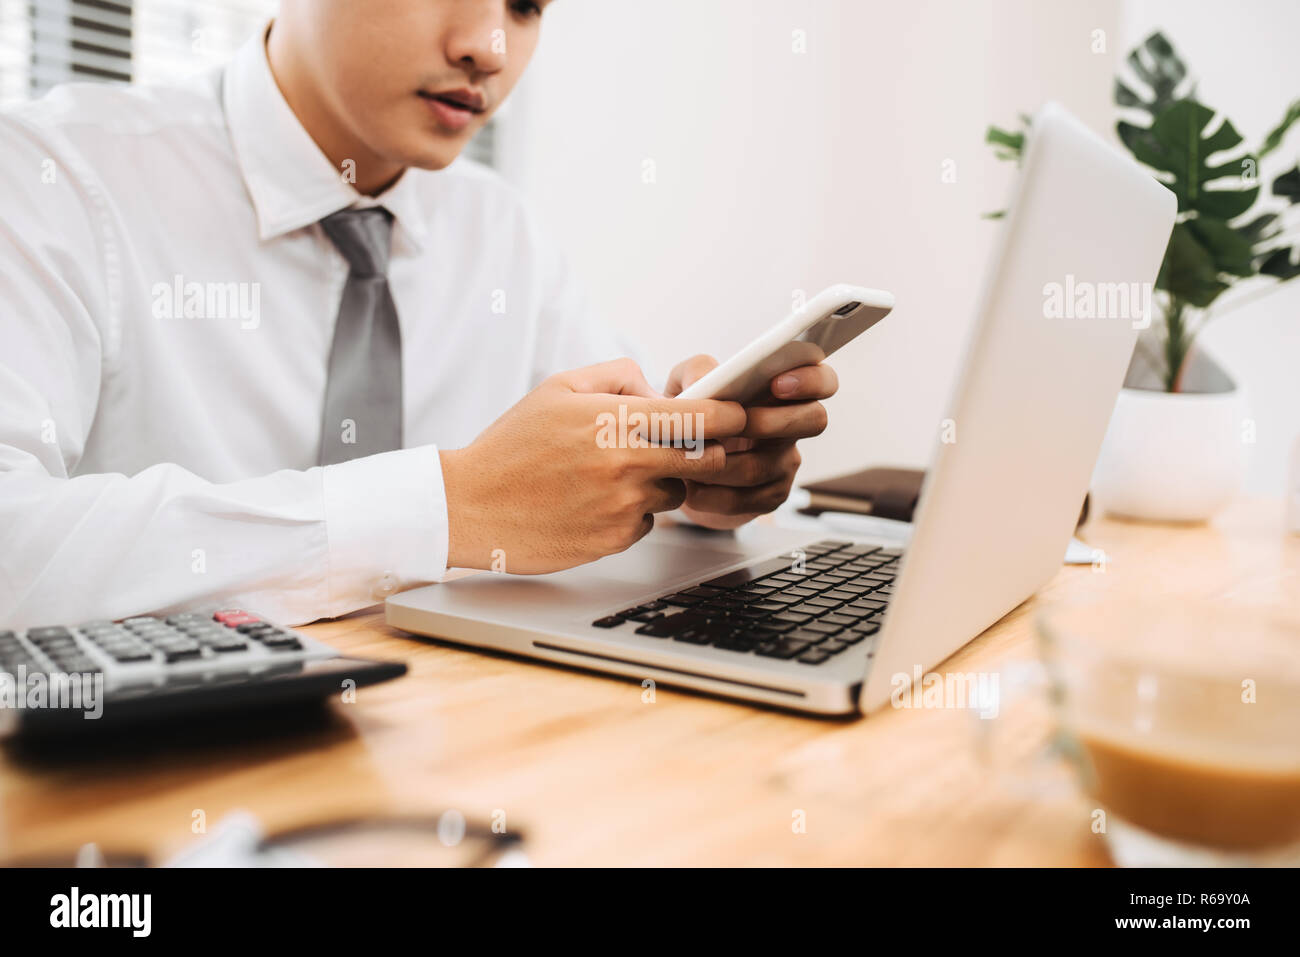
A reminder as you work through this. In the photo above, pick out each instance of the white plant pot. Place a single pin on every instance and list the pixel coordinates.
(1174, 457)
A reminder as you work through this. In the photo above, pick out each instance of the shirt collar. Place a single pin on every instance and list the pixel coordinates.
(291, 182)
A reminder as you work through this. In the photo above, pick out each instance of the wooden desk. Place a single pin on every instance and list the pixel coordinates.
(596, 776)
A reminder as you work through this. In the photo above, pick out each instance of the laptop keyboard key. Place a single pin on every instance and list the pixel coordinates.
(693, 637)
(793, 617)
(808, 610)
(796, 593)
(743, 576)
(613, 621)
(670, 625)
(868, 605)
(842, 620)
(814, 657)
(855, 588)
(643, 615)
(703, 591)
(784, 648)
(787, 578)
(735, 644)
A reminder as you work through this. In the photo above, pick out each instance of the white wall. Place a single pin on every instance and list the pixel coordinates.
(1245, 57)
(779, 171)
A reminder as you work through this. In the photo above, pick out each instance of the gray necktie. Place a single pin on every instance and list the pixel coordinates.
(363, 395)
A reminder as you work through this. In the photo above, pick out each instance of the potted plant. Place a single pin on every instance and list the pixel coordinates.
(1176, 446)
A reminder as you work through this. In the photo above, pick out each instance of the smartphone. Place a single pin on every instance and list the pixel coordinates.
(834, 317)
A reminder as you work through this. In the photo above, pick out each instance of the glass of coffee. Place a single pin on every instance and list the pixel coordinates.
(1181, 720)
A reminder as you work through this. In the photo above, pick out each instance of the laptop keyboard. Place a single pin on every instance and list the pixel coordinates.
(807, 605)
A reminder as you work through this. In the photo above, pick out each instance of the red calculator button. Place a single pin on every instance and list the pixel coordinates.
(235, 617)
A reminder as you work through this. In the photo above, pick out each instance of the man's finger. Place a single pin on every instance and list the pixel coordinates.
(666, 495)
(806, 382)
(664, 421)
(724, 500)
(749, 469)
(617, 377)
(794, 420)
(687, 372)
(700, 463)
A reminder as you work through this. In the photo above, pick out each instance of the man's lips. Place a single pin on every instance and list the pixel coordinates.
(454, 109)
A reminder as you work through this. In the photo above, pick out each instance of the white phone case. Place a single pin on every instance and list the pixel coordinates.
(804, 337)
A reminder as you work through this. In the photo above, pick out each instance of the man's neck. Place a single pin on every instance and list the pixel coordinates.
(348, 154)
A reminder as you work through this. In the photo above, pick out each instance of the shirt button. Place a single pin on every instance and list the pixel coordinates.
(386, 585)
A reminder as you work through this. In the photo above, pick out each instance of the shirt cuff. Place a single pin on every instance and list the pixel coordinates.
(386, 524)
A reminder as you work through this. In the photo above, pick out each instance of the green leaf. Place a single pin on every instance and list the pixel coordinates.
(1274, 139)
(1176, 145)
(1230, 251)
(1288, 185)
(1281, 264)
(1188, 271)
(1012, 143)
(1125, 96)
(1258, 229)
(1134, 137)
(1157, 64)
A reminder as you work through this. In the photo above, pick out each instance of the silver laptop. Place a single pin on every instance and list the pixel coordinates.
(827, 624)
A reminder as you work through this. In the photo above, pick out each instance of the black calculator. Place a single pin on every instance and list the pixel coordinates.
(73, 679)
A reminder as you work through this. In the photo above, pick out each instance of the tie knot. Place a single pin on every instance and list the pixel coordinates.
(363, 236)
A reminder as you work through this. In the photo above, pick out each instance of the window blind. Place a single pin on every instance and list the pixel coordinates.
(47, 42)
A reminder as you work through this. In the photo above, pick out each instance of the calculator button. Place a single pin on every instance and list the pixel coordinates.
(235, 617)
(228, 646)
(42, 635)
(279, 640)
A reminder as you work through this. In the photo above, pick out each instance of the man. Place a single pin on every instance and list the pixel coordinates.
(255, 333)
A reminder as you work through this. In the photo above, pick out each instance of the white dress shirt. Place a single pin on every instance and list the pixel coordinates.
(157, 451)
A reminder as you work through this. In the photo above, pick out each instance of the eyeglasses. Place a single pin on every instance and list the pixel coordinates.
(445, 839)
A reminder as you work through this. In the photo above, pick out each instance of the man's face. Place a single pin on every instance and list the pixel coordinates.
(414, 80)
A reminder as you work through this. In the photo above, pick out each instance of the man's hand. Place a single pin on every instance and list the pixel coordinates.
(761, 464)
(545, 488)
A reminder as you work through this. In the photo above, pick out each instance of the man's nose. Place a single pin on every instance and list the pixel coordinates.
(476, 38)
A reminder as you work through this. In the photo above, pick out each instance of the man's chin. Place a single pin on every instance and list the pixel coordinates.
(436, 153)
